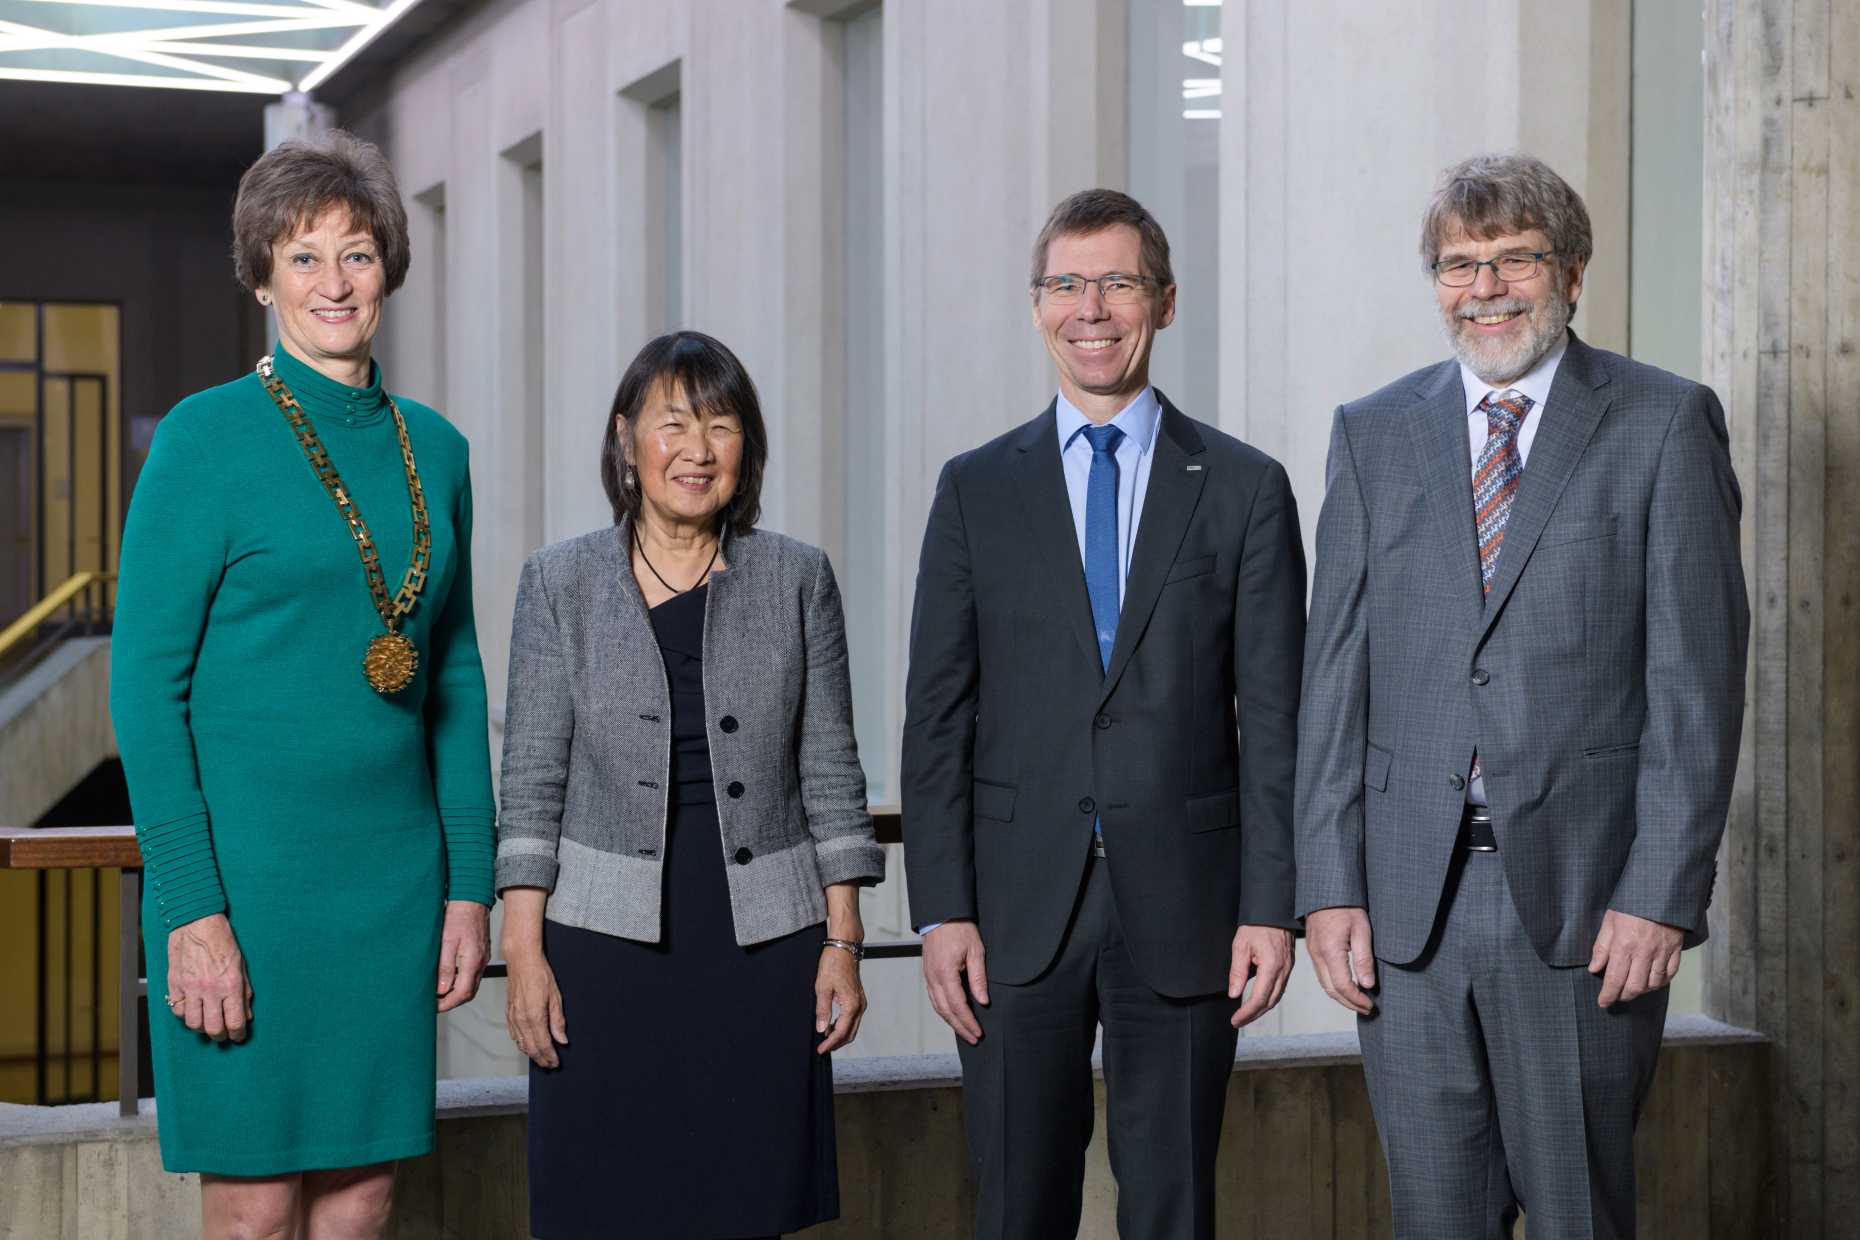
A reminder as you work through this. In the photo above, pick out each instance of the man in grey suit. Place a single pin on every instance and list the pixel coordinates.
(1099, 753)
(1524, 683)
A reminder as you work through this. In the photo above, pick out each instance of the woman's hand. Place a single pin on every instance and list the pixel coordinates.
(837, 985)
(207, 986)
(464, 947)
(533, 1009)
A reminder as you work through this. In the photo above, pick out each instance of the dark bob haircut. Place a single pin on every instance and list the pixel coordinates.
(296, 181)
(714, 384)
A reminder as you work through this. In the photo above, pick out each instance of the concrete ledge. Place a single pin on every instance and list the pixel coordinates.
(1299, 1156)
(509, 1095)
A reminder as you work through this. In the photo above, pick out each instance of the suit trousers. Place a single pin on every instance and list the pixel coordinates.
(1499, 1084)
(1027, 1090)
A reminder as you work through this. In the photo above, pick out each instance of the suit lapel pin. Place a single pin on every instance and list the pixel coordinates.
(1193, 469)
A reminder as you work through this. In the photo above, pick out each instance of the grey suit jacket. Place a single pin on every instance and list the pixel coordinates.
(588, 735)
(1601, 682)
(1017, 738)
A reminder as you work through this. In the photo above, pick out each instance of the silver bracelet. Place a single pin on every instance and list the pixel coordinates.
(847, 945)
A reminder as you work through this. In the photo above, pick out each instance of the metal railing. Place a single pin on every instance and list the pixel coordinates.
(80, 607)
(74, 848)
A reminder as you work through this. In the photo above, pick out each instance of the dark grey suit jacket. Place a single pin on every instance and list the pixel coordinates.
(1601, 682)
(1015, 737)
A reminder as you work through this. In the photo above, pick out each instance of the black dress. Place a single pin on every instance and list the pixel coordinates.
(689, 1104)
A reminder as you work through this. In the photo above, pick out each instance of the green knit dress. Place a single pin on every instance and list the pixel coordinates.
(329, 822)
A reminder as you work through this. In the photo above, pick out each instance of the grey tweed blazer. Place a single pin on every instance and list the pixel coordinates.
(1601, 681)
(588, 735)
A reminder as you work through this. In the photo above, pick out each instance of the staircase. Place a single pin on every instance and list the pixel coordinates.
(54, 698)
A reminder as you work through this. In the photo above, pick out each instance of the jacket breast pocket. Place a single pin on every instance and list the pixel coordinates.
(1182, 570)
(1376, 761)
(994, 801)
(1588, 529)
(1214, 811)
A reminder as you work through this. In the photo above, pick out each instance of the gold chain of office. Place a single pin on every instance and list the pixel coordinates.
(391, 659)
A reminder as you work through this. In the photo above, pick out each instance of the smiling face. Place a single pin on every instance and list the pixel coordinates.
(327, 285)
(1499, 330)
(687, 462)
(1102, 353)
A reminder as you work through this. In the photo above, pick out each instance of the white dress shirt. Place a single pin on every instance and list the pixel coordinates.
(1139, 421)
(1535, 383)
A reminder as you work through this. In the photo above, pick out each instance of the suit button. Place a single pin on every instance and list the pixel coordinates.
(727, 723)
(1087, 805)
(744, 856)
(735, 789)
(1458, 781)
(1102, 723)
(1480, 676)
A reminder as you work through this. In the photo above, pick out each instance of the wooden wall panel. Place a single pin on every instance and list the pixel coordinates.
(1782, 188)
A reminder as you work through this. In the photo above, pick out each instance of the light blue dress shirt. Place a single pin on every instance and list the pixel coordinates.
(1139, 421)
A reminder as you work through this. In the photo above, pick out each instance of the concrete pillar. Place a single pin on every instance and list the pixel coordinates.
(296, 115)
(1781, 343)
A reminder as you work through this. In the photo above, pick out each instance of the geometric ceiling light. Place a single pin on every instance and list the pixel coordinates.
(263, 47)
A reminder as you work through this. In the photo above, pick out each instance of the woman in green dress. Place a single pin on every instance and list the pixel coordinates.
(300, 707)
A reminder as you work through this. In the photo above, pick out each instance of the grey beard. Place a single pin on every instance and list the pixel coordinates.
(1497, 370)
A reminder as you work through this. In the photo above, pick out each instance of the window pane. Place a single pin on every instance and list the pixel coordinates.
(18, 332)
(1174, 113)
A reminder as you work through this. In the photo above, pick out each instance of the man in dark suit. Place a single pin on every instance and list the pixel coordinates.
(1099, 755)
(1524, 687)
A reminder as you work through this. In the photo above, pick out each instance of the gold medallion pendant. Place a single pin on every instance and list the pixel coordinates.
(390, 663)
(392, 658)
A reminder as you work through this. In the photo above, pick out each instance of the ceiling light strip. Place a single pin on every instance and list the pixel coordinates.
(81, 78)
(197, 68)
(361, 39)
(242, 8)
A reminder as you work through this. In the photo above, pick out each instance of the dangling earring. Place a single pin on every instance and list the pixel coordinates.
(631, 481)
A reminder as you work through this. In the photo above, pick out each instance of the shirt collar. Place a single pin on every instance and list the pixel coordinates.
(1138, 420)
(1534, 383)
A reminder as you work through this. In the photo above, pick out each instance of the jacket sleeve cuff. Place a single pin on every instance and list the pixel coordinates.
(521, 862)
(850, 859)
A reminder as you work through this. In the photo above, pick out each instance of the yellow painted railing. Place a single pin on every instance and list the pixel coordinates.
(17, 632)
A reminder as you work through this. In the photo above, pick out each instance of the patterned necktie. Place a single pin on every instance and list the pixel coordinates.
(1495, 485)
(1101, 536)
(1495, 478)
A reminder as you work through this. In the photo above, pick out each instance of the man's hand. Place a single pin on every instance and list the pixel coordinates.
(1634, 956)
(1343, 955)
(951, 950)
(1267, 953)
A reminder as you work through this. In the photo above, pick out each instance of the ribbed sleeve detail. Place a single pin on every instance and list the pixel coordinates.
(471, 841)
(184, 879)
(457, 733)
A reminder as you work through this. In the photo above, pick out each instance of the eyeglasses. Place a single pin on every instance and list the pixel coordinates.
(1511, 268)
(1114, 288)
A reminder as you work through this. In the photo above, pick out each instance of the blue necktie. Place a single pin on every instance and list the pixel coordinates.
(1101, 536)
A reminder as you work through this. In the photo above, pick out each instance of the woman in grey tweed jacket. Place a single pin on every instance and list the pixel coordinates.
(683, 833)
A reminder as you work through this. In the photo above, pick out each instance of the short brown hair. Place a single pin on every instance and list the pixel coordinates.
(295, 182)
(1094, 210)
(714, 383)
(1489, 196)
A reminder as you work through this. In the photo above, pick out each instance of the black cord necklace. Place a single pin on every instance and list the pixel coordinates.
(647, 561)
